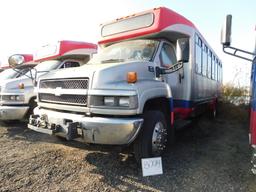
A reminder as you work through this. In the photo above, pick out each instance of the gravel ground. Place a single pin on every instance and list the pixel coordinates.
(208, 156)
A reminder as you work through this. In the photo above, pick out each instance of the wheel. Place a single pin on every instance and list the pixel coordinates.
(153, 138)
(253, 161)
(213, 111)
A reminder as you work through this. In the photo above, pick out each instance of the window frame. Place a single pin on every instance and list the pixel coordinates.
(199, 43)
(160, 54)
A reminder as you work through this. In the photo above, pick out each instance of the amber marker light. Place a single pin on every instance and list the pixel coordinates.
(21, 86)
(131, 77)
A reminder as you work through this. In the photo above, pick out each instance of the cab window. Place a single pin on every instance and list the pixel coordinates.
(167, 55)
(69, 64)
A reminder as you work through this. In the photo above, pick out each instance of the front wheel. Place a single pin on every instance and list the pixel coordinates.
(153, 138)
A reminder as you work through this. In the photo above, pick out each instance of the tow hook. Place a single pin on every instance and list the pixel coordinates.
(72, 132)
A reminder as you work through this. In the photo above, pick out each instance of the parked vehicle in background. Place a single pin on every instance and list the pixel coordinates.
(2, 68)
(249, 56)
(19, 71)
(18, 95)
(155, 69)
(10, 73)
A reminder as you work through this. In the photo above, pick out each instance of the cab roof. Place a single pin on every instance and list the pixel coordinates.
(162, 17)
(64, 48)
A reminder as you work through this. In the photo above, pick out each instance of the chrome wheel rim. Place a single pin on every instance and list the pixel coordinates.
(159, 138)
(214, 113)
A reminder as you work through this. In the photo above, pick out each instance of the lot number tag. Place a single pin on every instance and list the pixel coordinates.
(152, 166)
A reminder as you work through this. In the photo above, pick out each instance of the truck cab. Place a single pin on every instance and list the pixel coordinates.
(18, 95)
(131, 92)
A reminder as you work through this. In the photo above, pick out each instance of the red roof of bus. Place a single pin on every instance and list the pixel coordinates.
(163, 17)
(27, 57)
(66, 46)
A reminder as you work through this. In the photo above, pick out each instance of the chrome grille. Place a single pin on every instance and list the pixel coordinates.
(64, 84)
(63, 99)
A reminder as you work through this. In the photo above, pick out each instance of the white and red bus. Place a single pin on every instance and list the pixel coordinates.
(155, 69)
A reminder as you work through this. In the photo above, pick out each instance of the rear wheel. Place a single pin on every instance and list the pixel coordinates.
(153, 138)
(213, 111)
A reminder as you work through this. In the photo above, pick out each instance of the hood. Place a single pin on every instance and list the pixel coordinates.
(75, 72)
(11, 85)
(104, 75)
(115, 76)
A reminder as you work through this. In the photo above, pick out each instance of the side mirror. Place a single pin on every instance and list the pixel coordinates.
(183, 50)
(226, 31)
(16, 60)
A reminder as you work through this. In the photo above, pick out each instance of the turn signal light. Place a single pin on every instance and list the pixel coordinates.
(21, 86)
(131, 77)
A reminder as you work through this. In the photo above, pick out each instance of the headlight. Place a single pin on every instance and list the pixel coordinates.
(124, 101)
(109, 101)
(130, 102)
(13, 97)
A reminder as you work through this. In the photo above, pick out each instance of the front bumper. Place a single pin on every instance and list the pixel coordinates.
(98, 130)
(13, 112)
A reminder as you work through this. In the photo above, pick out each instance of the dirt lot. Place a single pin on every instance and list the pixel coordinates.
(208, 156)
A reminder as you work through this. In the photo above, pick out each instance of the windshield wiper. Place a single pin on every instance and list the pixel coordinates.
(112, 60)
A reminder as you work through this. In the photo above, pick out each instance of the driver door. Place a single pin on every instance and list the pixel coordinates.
(167, 59)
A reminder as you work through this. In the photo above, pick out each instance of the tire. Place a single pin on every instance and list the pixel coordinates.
(32, 105)
(153, 137)
(10, 122)
(253, 161)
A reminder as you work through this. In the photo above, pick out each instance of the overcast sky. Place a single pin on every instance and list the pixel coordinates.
(28, 24)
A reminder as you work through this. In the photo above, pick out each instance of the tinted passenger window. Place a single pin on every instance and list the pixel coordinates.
(168, 56)
(198, 55)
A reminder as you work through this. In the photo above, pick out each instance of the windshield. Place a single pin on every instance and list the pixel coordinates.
(45, 66)
(127, 51)
(8, 74)
(48, 65)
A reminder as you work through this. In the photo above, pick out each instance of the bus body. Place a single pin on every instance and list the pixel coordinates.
(151, 72)
(18, 95)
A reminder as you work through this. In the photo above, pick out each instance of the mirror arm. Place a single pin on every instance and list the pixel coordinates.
(21, 73)
(17, 71)
(234, 52)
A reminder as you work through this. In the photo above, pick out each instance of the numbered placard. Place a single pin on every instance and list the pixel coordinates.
(152, 166)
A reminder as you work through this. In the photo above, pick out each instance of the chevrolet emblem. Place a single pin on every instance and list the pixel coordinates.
(58, 91)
